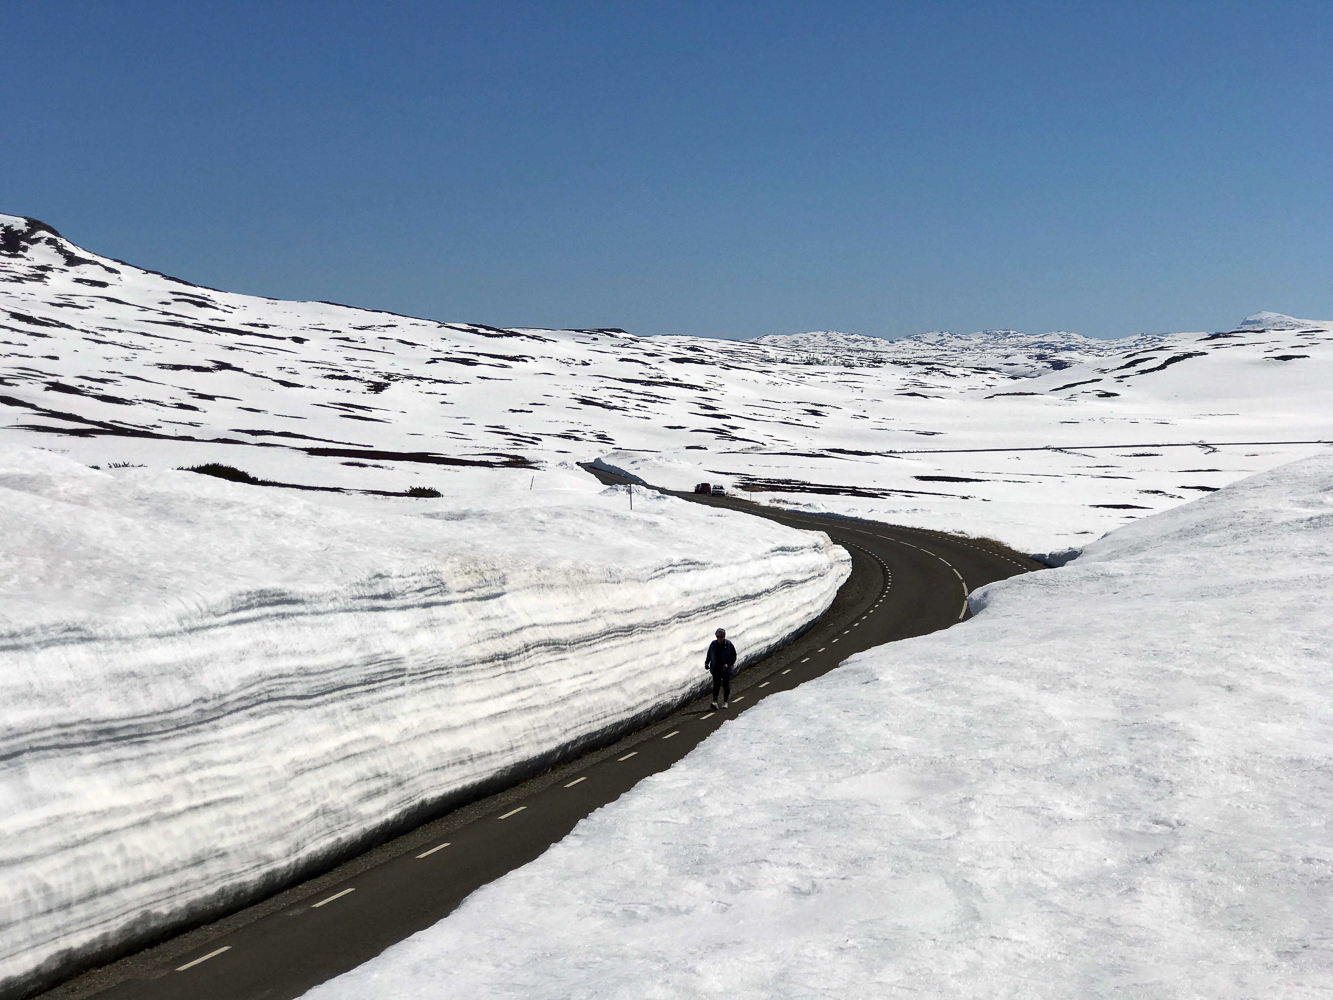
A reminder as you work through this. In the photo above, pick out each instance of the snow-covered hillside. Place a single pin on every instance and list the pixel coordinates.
(1042, 441)
(1113, 782)
(208, 688)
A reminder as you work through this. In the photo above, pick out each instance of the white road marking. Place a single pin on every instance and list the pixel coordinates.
(835, 640)
(788, 670)
(822, 648)
(330, 899)
(674, 732)
(765, 684)
(628, 755)
(956, 573)
(576, 781)
(426, 854)
(708, 716)
(806, 660)
(845, 631)
(512, 812)
(963, 612)
(204, 958)
(739, 697)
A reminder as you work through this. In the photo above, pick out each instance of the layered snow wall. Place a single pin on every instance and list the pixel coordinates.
(1114, 781)
(210, 688)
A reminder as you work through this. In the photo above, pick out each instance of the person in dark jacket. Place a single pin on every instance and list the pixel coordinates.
(720, 662)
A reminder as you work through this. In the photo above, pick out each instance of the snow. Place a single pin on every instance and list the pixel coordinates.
(1114, 781)
(1043, 441)
(1067, 789)
(211, 687)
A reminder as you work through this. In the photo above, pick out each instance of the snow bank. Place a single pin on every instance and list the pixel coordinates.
(209, 687)
(1114, 781)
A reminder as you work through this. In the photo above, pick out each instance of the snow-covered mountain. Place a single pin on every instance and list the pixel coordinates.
(109, 363)
(1007, 351)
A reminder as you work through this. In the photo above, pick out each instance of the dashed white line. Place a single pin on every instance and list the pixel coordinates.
(330, 899)
(788, 670)
(674, 732)
(835, 640)
(806, 660)
(627, 756)
(708, 716)
(512, 812)
(438, 847)
(765, 684)
(576, 781)
(956, 573)
(204, 958)
(739, 697)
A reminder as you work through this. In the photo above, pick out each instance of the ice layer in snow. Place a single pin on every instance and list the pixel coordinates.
(209, 688)
(1114, 781)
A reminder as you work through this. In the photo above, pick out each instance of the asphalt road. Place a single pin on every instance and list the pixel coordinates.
(904, 582)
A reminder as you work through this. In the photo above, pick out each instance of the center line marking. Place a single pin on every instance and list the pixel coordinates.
(788, 670)
(739, 697)
(426, 854)
(512, 812)
(330, 899)
(708, 716)
(835, 640)
(576, 781)
(674, 732)
(204, 958)
(765, 684)
(822, 648)
(628, 755)
(806, 660)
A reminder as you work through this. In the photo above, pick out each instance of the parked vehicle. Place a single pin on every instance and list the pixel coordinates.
(703, 488)
(719, 490)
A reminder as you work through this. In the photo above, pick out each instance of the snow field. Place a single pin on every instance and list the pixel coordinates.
(110, 363)
(1114, 781)
(210, 688)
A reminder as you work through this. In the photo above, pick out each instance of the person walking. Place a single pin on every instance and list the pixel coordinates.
(720, 662)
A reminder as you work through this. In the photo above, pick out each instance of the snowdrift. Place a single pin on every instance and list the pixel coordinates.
(211, 688)
(1114, 781)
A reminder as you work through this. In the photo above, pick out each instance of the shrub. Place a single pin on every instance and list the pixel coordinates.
(227, 472)
(423, 491)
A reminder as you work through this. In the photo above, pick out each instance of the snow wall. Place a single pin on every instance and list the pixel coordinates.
(211, 689)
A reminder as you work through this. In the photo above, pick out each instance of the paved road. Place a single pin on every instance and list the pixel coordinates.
(904, 582)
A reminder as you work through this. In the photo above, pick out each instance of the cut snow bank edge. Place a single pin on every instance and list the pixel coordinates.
(214, 690)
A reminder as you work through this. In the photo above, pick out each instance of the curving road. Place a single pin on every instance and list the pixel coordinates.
(904, 582)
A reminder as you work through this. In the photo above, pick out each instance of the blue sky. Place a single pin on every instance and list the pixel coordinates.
(715, 169)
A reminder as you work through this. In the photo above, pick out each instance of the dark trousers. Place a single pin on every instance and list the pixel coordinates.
(722, 682)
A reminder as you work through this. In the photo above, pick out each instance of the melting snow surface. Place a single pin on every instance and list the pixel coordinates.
(1043, 441)
(1112, 782)
(210, 687)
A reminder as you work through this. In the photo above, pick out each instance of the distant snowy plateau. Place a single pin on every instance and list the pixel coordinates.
(1114, 780)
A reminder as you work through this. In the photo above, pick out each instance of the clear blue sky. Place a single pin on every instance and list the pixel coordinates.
(717, 169)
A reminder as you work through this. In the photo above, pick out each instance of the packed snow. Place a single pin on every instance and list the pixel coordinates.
(1042, 441)
(1114, 781)
(209, 687)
